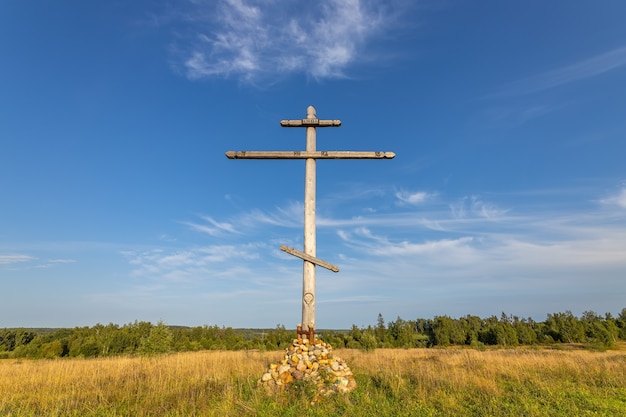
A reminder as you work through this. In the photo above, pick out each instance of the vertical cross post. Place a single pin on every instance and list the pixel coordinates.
(310, 238)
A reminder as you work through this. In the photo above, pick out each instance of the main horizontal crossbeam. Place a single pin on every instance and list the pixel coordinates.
(309, 155)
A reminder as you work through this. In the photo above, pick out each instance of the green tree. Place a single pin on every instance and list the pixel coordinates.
(82, 342)
(159, 341)
(600, 332)
(7, 340)
(498, 332)
(368, 340)
(402, 333)
(354, 338)
(526, 334)
(278, 338)
(565, 327)
(52, 349)
(381, 331)
(621, 324)
(447, 331)
(11, 339)
(611, 326)
(471, 326)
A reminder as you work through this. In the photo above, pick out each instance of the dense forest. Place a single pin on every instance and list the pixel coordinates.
(591, 330)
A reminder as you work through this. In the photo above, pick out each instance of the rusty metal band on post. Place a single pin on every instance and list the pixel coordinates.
(309, 333)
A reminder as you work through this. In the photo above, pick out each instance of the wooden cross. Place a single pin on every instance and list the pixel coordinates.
(311, 122)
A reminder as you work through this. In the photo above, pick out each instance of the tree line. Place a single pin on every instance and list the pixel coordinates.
(144, 338)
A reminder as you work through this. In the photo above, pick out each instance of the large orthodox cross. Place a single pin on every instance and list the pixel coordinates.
(311, 122)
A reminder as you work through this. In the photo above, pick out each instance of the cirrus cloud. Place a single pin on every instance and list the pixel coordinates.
(618, 199)
(13, 259)
(255, 39)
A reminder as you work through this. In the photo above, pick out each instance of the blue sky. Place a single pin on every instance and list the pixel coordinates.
(117, 203)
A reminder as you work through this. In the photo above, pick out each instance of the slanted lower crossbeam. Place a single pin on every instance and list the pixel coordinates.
(309, 258)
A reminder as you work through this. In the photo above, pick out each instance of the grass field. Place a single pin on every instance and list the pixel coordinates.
(415, 382)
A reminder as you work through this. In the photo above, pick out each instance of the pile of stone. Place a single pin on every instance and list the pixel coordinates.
(312, 362)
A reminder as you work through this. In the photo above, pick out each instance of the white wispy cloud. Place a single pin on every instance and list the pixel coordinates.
(252, 39)
(364, 239)
(618, 199)
(13, 259)
(27, 262)
(193, 263)
(480, 257)
(415, 198)
(475, 206)
(211, 227)
(62, 261)
(290, 216)
(55, 262)
(428, 259)
(354, 299)
(512, 116)
(588, 68)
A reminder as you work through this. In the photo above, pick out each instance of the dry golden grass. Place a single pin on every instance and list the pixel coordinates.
(456, 379)
(429, 382)
(183, 381)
